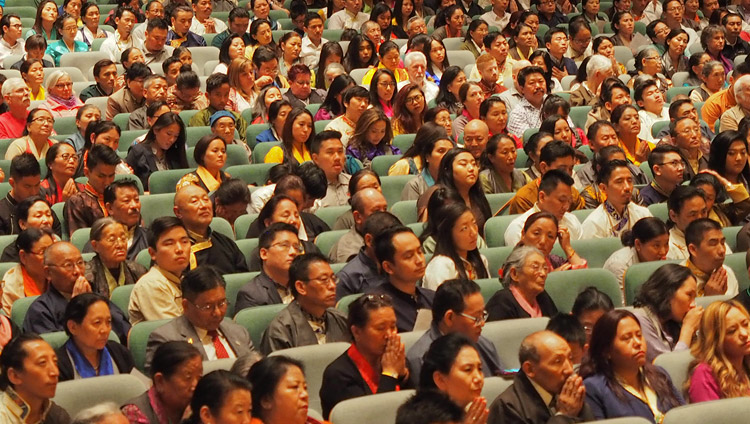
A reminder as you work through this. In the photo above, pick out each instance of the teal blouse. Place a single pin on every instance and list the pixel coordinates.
(59, 48)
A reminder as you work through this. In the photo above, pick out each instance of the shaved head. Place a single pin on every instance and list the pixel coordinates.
(193, 206)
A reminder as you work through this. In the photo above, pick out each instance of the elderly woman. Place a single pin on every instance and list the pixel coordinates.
(221, 397)
(61, 100)
(374, 363)
(68, 29)
(224, 125)
(712, 79)
(211, 155)
(32, 72)
(27, 278)
(88, 351)
(110, 268)
(28, 380)
(36, 139)
(524, 274)
(62, 163)
(713, 41)
(730, 120)
(31, 212)
(175, 370)
(666, 310)
(541, 230)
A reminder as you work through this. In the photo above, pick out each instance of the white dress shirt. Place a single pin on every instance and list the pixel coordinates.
(197, 27)
(208, 344)
(599, 223)
(7, 50)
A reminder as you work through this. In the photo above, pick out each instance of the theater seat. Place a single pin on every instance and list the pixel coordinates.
(373, 409)
(722, 411)
(77, 395)
(256, 319)
(507, 336)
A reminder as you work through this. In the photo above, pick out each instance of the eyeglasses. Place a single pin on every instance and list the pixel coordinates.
(378, 297)
(285, 245)
(478, 321)
(113, 240)
(536, 267)
(44, 120)
(327, 280)
(64, 85)
(674, 164)
(387, 84)
(68, 156)
(689, 131)
(210, 307)
(69, 266)
(415, 99)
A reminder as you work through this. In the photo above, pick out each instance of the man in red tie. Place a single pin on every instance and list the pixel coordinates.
(202, 323)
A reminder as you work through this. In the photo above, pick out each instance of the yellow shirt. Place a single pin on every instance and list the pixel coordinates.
(276, 155)
(40, 96)
(400, 74)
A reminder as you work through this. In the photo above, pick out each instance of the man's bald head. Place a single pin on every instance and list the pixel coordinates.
(193, 207)
(58, 251)
(476, 135)
(365, 203)
(63, 265)
(545, 358)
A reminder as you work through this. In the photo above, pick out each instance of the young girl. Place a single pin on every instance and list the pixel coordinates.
(372, 137)
(295, 139)
(361, 54)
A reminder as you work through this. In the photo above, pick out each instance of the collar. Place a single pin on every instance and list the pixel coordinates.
(397, 292)
(18, 407)
(544, 394)
(366, 260)
(174, 279)
(7, 44)
(700, 275)
(658, 188)
(198, 238)
(321, 321)
(613, 212)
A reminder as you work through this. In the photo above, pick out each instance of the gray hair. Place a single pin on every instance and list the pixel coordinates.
(54, 77)
(412, 57)
(516, 260)
(243, 364)
(11, 85)
(366, 26)
(412, 20)
(151, 79)
(708, 67)
(597, 63)
(99, 225)
(97, 414)
(741, 83)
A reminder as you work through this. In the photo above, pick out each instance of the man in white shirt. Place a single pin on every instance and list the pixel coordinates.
(707, 247)
(114, 46)
(154, 9)
(686, 204)
(554, 197)
(651, 101)
(532, 84)
(416, 65)
(512, 97)
(618, 213)
(11, 29)
(312, 42)
(351, 17)
(203, 23)
(327, 152)
(496, 45)
(497, 17)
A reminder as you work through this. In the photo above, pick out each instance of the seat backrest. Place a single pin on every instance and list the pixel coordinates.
(138, 337)
(316, 359)
(374, 409)
(494, 386)
(488, 287)
(343, 304)
(242, 224)
(498, 200)
(256, 319)
(381, 164)
(736, 261)
(222, 226)
(564, 286)
(120, 296)
(156, 205)
(255, 173)
(596, 251)
(406, 211)
(80, 237)
(507, 336)
(676, 364)
(496, 257)
(637, 274)
(330, 214)
(19, 308)
(326, 240)
(733, 410)
(235, 282)
(160, 182)
(218, 364)
(77, 395)
(261, 150)
(494, 230)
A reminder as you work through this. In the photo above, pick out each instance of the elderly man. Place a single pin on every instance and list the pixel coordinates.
(157, 295)
(533, 86)
(12, 42)
(123, 203)
(327, 152)
(193, 207)
(730, 120)
(64, 268)
(546, 382)
(707, 248)
(458, 307)
(16, 95)
(371, 30)
(416, 65)
(154, 90)
(686, 134)
(105, 75)
(231, 200)
(364, 203)
(597, 70)
(300, 93)
(153, 48)
(186, 93)
(311, 318)
(476, 135)
(85, 207)
(202, 323)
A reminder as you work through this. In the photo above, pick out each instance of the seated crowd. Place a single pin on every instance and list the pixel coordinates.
(510, 133)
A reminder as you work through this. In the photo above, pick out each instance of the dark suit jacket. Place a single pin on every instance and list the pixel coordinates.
(290, 329)
(606, 404)
(143, 162)
(521, 404)
(502, 305)
(120, 355)
(260, 291)
(180, 329)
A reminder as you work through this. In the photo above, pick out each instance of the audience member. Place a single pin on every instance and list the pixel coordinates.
(685, 205)
(647, 241)
(434, 407)
(32, 212)
(571, 330)
(110, 268)
(272, 379)
(533, 87)
(364, 203)
(707, 249)
(27, 278)
(130, 97)
(327, 151)
(667, 169)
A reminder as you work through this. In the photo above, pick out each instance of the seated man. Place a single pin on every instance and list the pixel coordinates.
(351, 16)
(35, 47)
(685, 205)
(124, 19)
(202, 22)
(554, 197)
(572, 331)
(16, 96)
(355, 101)
(327, 151)
(24, 182)
(361, 273)
(400, 256)
(683, 107)
(239, 22)
(707, 248)
(186, 93)
(64, 268)
(538, 384)
(300, 93)
(598, 69)
(180, 34)
(592, 194)
(11, 29)
(651, 101)
(476, 136)
(458, 307)
(489, 73)
(279, 246)
(687, 137)
(231, 200)
(123, 203)
(602, 134)
(193, 207)
(668, 169)
(154, 90)
(554, 155)
(85, 207)
(527, 113)
(311, 318)
(364, 203)
(415, 64)
(613, 93)
(556, 41)
(130, 97)
(153, 48)
(217, 92)
(105, 75)
(157, 295)
(202, 322)
(618, 213)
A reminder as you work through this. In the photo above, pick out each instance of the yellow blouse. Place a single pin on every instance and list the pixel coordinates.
(276, 155)
(40, 96)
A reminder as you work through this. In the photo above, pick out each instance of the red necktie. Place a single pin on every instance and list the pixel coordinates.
(221, 352)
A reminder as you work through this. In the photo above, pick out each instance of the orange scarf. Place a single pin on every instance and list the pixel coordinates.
(29, 285)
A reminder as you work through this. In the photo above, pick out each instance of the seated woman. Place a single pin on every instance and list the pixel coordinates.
(162, 149)
(533, 148)
(390, 59)
(32, 72)
(408, 110)
(648, 63)
(437, 60)
(559, 127)
(210, 154)
(713, 44)
(28, 277)
(718, 190)
(267, 96)
(31, 212)
(590, 305)
(524, 42)
(666, 310)
(456, 252)
(295, 139)
(494, 112)
(415, 158)
(85, 115)
(417, 186)
(332, 106)
(279, 391)
(290, 46)
(721, 366)
(175, 370)
(471, 97)
(619, 381)
(260, 35)
(361, 54)
(46, 15)
(524, 274)
(36, 139)
(441, 116)
(243, 92)
(365, 368)
(449, 90)
(712, 79)
(474, 38)
(62, 163)
(330, 53)
(499, 173)
(221, 397)
(383, 91)
(648, 241)
(453, 366)
(674, 59)
(90, 29)
(728, 157)
(605, 47)
(107, 133)
(627, 124)
(439, 198)
(61, 100)
(232, 48)
(541, 231)
(88, 351)
(110, 268)
(277, 113)
(372, 138)
(28, 380)
(68, 29)
(696, 63)
(623, 26)
(451, 25)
